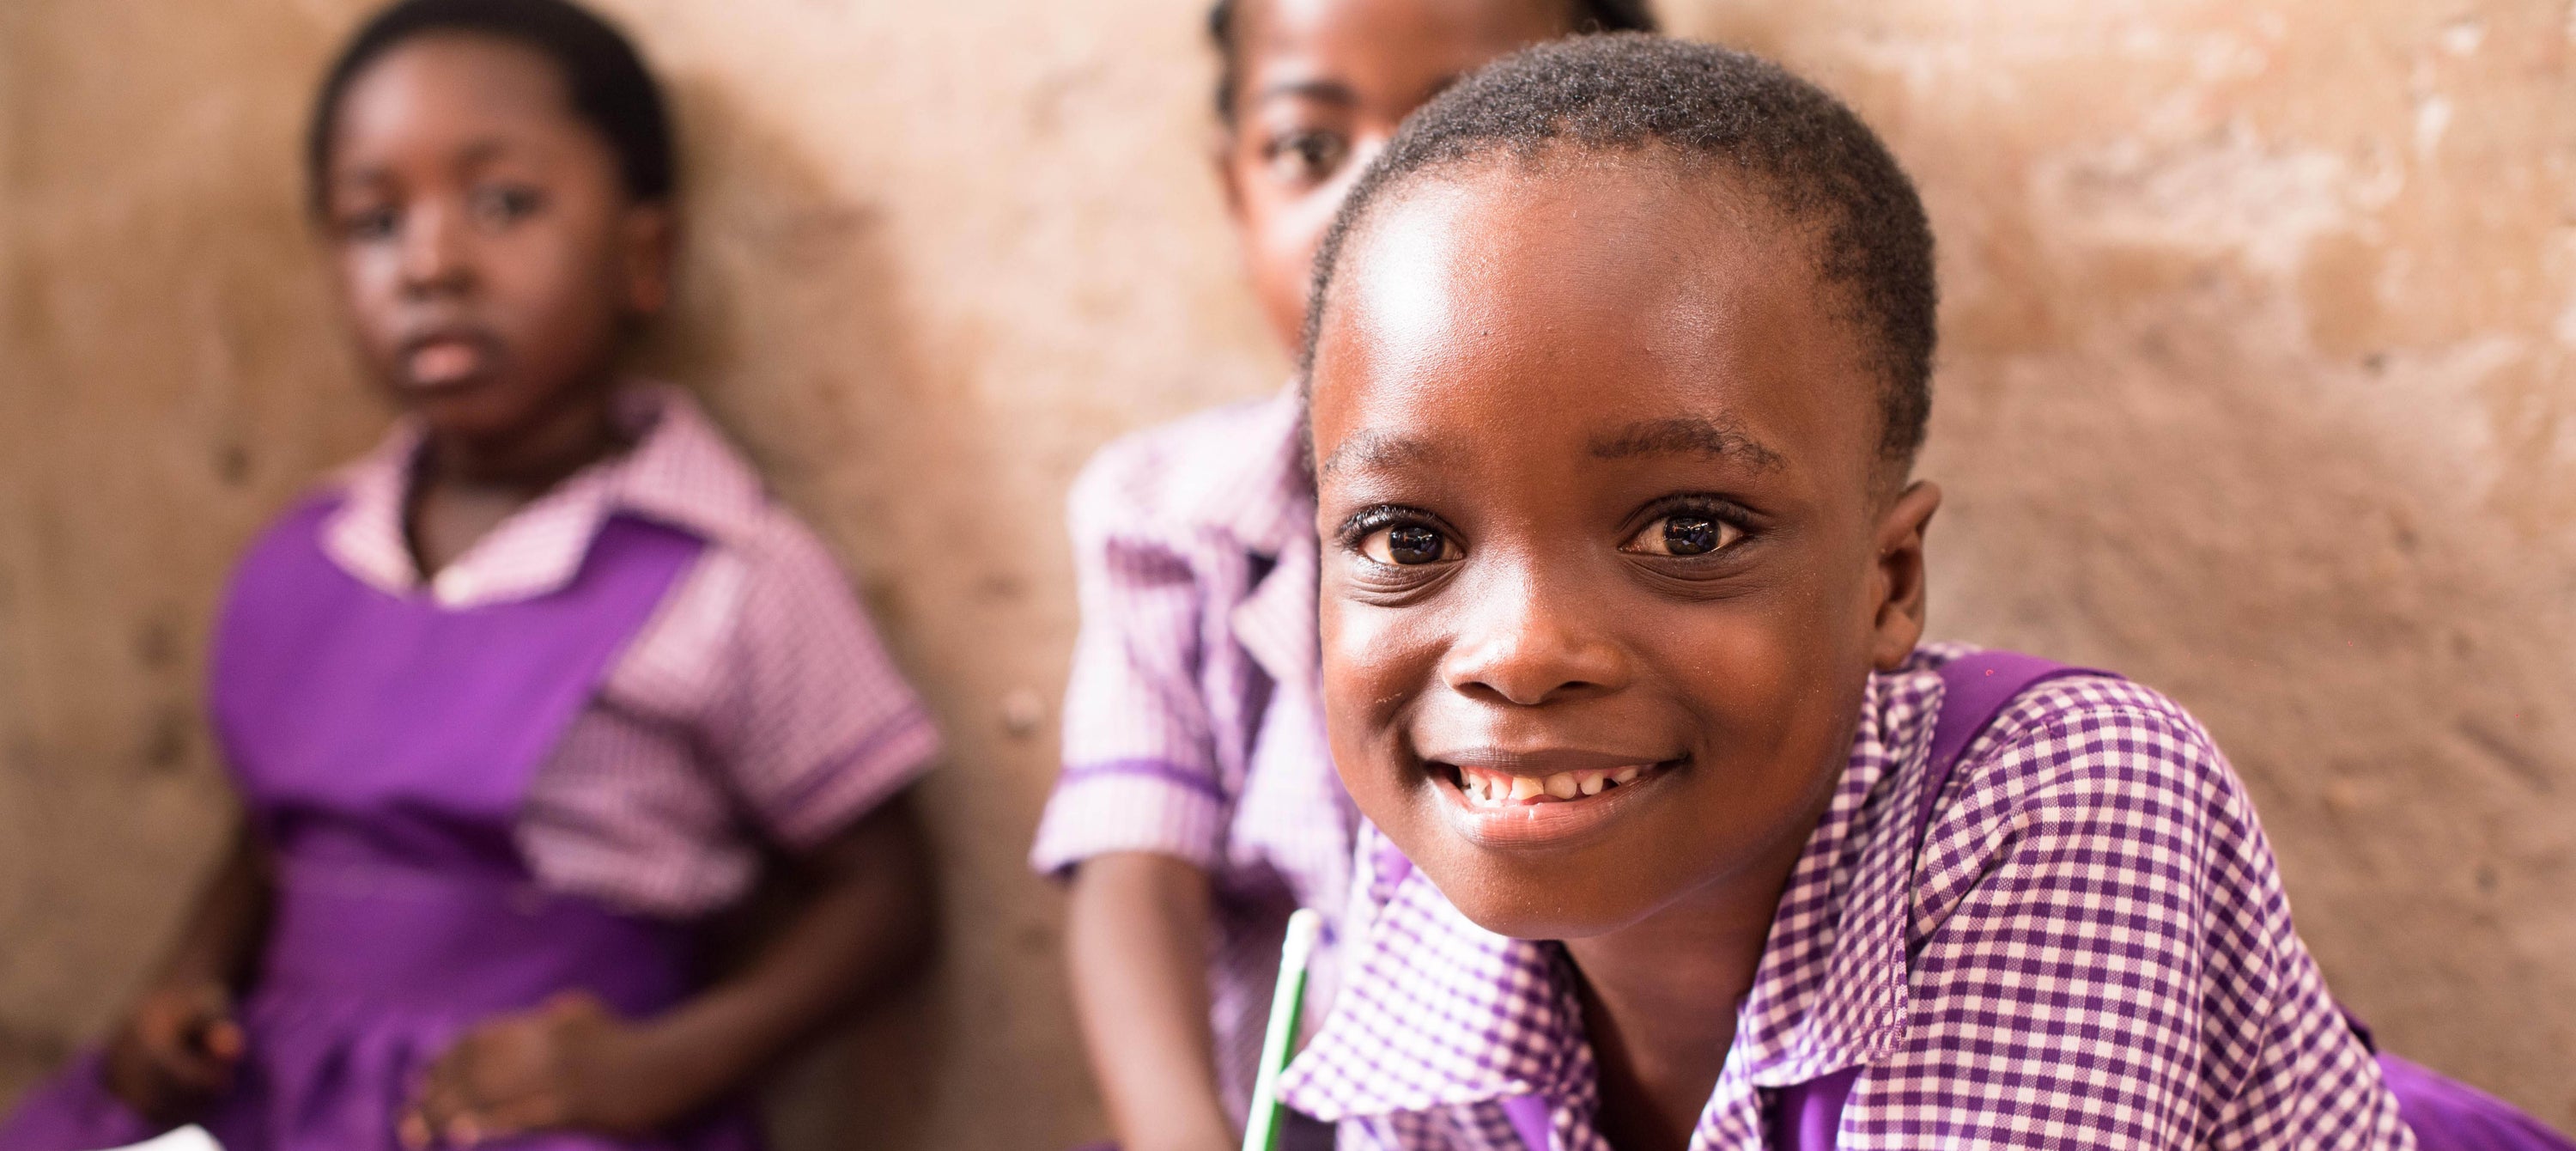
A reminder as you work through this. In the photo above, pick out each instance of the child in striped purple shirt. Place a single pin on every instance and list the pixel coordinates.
(1197, 808)
(1619, 360)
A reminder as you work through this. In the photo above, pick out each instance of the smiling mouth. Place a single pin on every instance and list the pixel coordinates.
(1495, 789)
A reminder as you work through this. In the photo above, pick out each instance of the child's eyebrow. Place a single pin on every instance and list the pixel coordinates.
(1686, 435)
(1327, 91)
(1376, 450)
(485, 149)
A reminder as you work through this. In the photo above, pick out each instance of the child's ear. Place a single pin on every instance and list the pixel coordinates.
(652, 242)
(1898, 580)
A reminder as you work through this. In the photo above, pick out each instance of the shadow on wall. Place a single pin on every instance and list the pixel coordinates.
(2250, 392)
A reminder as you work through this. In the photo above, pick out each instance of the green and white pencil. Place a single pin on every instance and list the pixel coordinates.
(1287, 1003)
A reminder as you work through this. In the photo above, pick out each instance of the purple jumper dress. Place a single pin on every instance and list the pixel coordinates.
(2444, 1115)
(383, 745)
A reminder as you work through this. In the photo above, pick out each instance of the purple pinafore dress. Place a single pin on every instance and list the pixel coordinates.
(383, 745)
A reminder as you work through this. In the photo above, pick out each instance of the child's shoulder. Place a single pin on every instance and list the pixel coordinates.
(1208, 469)
(2096, 739)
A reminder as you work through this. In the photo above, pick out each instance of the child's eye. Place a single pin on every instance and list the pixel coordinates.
(1684, 534)
(369, 225)
(1409, 545)
(505, 204)
(1306, 157)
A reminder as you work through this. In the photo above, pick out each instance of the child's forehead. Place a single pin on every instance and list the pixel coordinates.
(454, 75)
(1576, 251)
(1594, 296)
(1363, 34)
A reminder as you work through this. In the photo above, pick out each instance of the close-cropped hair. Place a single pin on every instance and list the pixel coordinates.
(1583, 17)
(604, 76)
(1807, 155)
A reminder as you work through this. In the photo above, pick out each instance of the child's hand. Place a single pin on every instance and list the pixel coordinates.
(177, 1051)
(571, 1063)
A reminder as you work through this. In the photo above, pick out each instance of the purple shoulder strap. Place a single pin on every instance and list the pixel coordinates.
(1974, 690)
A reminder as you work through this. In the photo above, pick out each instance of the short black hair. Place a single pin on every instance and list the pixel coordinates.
(1808, 155)
(1584, 16)
(608, 82)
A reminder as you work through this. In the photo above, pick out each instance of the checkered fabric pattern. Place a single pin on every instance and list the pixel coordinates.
(1192, 726)
(2095, 952)
(758, 703)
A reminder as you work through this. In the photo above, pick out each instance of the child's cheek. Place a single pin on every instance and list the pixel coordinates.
(1370, 682)
(370, 291)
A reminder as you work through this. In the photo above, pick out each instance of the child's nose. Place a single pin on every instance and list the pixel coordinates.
(1527, 642)
(433, 255)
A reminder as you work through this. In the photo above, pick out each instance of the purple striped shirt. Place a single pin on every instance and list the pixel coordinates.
(1191, 723)
(2094, 952)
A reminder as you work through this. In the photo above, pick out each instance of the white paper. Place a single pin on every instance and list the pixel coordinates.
(183, 1139)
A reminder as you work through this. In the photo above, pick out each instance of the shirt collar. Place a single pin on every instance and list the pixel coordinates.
(1270, 509)
(680, 472)
(1437, 1011)
(1267, 503)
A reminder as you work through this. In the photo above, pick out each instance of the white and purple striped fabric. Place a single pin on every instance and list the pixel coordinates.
(1191, 723)
(2095, 953)
(757, 704)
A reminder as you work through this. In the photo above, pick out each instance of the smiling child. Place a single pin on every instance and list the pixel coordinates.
(1197, 808)
(1618, 360)
(519, 699)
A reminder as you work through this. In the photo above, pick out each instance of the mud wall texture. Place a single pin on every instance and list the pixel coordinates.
(2257, 386)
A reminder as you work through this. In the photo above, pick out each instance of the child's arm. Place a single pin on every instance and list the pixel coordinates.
(1137, 941)
(864, 930)
(178, 1046)
(1137, 938)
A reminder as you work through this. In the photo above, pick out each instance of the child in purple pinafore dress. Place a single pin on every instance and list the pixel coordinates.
(1679, 837)
(525, 693)
(1197, 808)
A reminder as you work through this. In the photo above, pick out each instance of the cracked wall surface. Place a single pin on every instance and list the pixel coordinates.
(2256, 386)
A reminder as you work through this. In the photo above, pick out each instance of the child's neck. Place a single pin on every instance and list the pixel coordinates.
(467, 485)
(1659, 1000)
(532, 457)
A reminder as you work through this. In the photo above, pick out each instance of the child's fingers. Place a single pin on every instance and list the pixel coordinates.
(411, 1130)
(192, 1066)
(481, 1121)
(438, 1097)
(536, 1111)
(224, 1039)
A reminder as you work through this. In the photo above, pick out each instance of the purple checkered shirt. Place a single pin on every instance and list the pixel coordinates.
(2094, 952)
(1191, 723)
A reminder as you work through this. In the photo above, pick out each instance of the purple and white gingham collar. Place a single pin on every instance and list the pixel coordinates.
(1270, 510)
(681, 471)
(1436, 1011)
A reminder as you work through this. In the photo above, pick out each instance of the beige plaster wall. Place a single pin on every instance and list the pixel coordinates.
(2257, 386)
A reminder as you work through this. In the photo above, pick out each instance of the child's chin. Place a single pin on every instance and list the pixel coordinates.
(1527, 899)
(1541, 919)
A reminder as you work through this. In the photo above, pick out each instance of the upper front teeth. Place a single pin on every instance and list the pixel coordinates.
(1493, 787)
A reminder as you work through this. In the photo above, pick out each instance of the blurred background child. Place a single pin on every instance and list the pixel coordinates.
(1197, 805)
(519, 698)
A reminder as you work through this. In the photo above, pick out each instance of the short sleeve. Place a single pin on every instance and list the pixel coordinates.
(1140, 770)
(2110, 961)
(815, 726)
